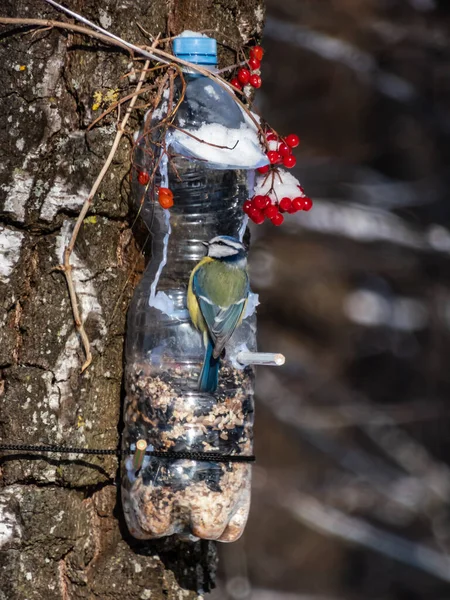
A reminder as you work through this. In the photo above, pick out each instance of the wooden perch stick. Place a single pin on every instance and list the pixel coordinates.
(267, 359)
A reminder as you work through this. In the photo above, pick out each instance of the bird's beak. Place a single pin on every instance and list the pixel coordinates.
(206, 244)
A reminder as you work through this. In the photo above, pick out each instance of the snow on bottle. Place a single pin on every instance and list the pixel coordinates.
(210, 180)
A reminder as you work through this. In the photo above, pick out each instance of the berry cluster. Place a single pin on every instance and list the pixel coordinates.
(280, 150)
(261, 207)
(252, 75)
(165, 196)
(276, 190)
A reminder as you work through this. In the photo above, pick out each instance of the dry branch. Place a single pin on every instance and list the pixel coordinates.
(67, 267)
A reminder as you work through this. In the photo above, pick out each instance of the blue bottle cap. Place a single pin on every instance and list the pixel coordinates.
(198, 50)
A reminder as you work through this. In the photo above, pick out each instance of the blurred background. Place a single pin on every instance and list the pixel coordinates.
(351, 490)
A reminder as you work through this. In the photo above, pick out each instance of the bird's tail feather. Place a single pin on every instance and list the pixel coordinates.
(209, 376)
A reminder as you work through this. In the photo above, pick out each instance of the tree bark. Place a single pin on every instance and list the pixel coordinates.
(62, 534)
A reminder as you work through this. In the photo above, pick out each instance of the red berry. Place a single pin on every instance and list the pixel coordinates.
(292, 209)
(256, 215)
(246, 206)
(273, 157)
(263, 169)
(270, 211)
(257, 52)
(298, 203)
(271, 136)
(143, 177)
(289, 161)
(235, 83)
(255, 81)
(243, 76)
(165, 197)
(254, 63)
(277, 219)
(260, 202)
(307, 203)
(284, 149)
(285, 204)
(292, 140)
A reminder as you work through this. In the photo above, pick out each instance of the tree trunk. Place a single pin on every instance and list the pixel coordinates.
(62, 533)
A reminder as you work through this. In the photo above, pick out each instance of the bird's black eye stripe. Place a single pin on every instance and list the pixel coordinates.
(222, 243)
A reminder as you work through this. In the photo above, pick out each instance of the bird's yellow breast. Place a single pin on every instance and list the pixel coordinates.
(192, 303)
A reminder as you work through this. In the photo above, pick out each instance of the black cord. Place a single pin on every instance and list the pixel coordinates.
(59, 449)
(202, 456)
(208, 456)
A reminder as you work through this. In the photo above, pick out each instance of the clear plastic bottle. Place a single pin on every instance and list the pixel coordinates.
(164, 352)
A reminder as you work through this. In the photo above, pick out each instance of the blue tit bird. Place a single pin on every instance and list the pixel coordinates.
(217, 295)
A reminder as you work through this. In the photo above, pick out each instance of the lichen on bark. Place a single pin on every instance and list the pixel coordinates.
(62, 534)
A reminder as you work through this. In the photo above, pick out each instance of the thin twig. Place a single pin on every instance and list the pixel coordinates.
(152, 37)
(118, 103)
(67, 267)
(136, 71)
(96, 27)
(231, 67)
(48, 24)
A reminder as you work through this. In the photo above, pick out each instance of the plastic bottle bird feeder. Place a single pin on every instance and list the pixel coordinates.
(210, 180)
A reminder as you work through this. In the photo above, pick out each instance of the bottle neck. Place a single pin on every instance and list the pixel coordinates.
(191, 72)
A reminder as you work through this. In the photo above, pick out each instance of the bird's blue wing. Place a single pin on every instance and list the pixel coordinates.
(227, 319)
(221, 322)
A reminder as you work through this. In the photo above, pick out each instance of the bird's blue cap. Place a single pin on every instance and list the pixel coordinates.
(198, 50)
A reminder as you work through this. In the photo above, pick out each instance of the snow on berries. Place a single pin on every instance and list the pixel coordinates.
(276, 192)
(279, 150)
